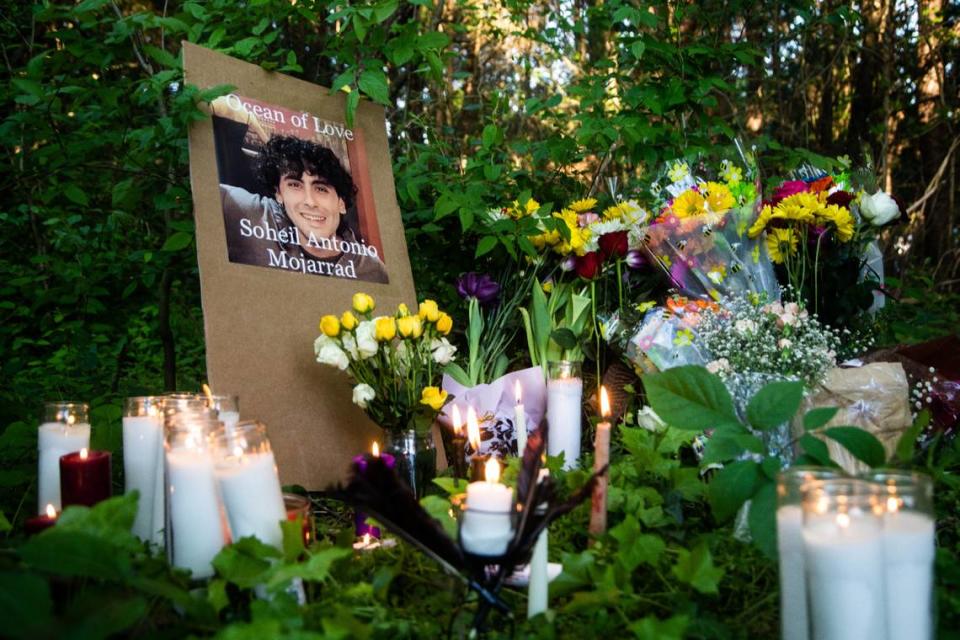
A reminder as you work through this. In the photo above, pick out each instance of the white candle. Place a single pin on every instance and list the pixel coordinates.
(250, 486)
(844, 563)
(56, 439)
(520, 420)
(538, 591)
(229, 419)
(487, 527)
(564, 399)
(142, 468)
(793, 591)
(601, 457)
(197, 528)
(908, 554)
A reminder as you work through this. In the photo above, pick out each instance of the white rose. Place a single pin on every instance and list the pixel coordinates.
(333, 355)
(363, 394)
(366, 342)
(350, 345)
(442, 351)
(649, 420)
(879, 208)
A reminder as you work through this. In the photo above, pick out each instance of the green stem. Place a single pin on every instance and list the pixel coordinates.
(619, 286)
(596, 330)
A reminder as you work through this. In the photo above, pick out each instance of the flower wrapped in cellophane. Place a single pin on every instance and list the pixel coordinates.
(666, 337)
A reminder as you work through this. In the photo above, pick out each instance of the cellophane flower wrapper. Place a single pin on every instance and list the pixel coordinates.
(665, 339)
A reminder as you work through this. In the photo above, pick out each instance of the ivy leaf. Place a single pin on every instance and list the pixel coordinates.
(316, 569)
(816, 418)
(816, 449)
(217, 594)
(374, 83)
(862, 445)
(245, 562)
(774, 404)
(636, 548)
(696, 568)
(650, 628)
(762, 519)
(292, 539)
(110, 521)
(733, 486)
(62, 552)
(689, 397)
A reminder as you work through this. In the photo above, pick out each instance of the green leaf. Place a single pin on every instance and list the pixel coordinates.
(374, 83)
(110, 520)
(491, 135)
(76, 194)
(689, 397)
(816, 449)
(359, 26)
(217, 594)
(762, 519)
(636, 548)
(177, 241)
(485, 246)
(316, 569)
(352, 102)
(439, 510)
(384, 10)
(5, 525)
(696, 569)
(292, 539)
(451, 486)
(565, 338)
(731, 487)
(908, 441)
(816, 418)
(25, 605)
(650, 628)
(433, 40)
(862, 445)
(245, 562)
(774, 404)
(162, 56)
(729, 442)
(62, 552)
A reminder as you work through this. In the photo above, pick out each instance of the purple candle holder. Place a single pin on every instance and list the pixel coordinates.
(360, 518)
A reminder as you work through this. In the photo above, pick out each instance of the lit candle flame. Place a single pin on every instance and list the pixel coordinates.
(518, 392)
(366, 539)
(207, 392)
(604, 402)
(491, 471)
(473, 429)
(51, 512)
(843, 520)
(71, 419)
(893, 504)
(238, 451)
(152, 411)
(84, 453)
(457, 421)
(375, 449)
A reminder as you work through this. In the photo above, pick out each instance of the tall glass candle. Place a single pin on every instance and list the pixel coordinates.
(843, 545)
(249, 482)
(908, 553)
(143, 463)
(487, 525)
(793, 592)
(227, 407)
(564, 400)
(196, 529)
(85, 477)
(65, 429)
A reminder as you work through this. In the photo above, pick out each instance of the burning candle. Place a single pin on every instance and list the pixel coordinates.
(38, 523)
(250, 483)
(598, 508)
(361, 528)
(196, 530)
(227, 407)
(85, 477)
(459, 444)
(564, 399)
(487, 526)
(478, 461)
(520, 419)
(65, 429)
(143, 463)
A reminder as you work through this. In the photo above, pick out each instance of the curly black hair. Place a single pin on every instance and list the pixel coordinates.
(289, 156)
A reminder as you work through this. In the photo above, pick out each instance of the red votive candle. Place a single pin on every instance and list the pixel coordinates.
(85, 477)
(41, 522)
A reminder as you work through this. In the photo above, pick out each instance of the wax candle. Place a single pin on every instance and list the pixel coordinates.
(360, 518)
(520, 419)
(842, 538)
(143, 464)
(250, 483)
(478, 461)
(196, 530)
(65, 429)
(38, 523)
(564, 399)
(793, 592)
(85, 477)
(538, 590)
(227, 407)
(601, 446)
(487, 526)
(459, 445)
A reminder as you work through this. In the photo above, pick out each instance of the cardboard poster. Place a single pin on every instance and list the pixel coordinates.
(295, 212)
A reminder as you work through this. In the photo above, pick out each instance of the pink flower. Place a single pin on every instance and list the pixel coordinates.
(789, 188)
(585, 219)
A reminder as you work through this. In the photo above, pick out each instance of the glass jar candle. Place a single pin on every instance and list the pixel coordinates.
(564, 411)
(65, 429)
(143, 463)
(227, 407)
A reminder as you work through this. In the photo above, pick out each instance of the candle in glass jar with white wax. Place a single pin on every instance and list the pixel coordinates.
(143, 463)
(65, 429)
(487, 527)
(564, 400)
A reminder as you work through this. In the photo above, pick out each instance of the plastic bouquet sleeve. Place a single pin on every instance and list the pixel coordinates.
(665, 339)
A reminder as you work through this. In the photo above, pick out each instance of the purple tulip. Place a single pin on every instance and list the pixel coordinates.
(635, 259)
(569, 263)
(478, 285)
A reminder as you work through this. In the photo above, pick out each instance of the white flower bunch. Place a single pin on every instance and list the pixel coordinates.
(774, 338)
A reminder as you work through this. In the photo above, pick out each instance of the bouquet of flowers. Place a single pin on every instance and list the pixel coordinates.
(395, 360)
(820, 232)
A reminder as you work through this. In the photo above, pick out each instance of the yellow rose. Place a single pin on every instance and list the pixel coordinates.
(444, 323)
(348, 321)
(410, 326)
(384, 328)
(330, 326)
(429, 310)
(362, 303)
(402, 310)
(433, 398)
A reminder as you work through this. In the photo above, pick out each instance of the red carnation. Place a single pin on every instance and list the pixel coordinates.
(588, 265)
(614, 244)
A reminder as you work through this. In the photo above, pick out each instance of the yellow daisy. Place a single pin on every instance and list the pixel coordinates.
(719, 198)
(780, 244)
(761, 223)
(689, 203)
(586, 204)
(841, 219)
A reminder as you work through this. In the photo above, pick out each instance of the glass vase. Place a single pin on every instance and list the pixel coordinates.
(416, 458)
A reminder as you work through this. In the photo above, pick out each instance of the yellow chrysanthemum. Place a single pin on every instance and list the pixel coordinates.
(719, 198)
(580, 206)
(800, 207)
(841, 219)
(780, 244)
(517, 211)
(545, 239)
(614, 212)
(689, 203)
(761, 222)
